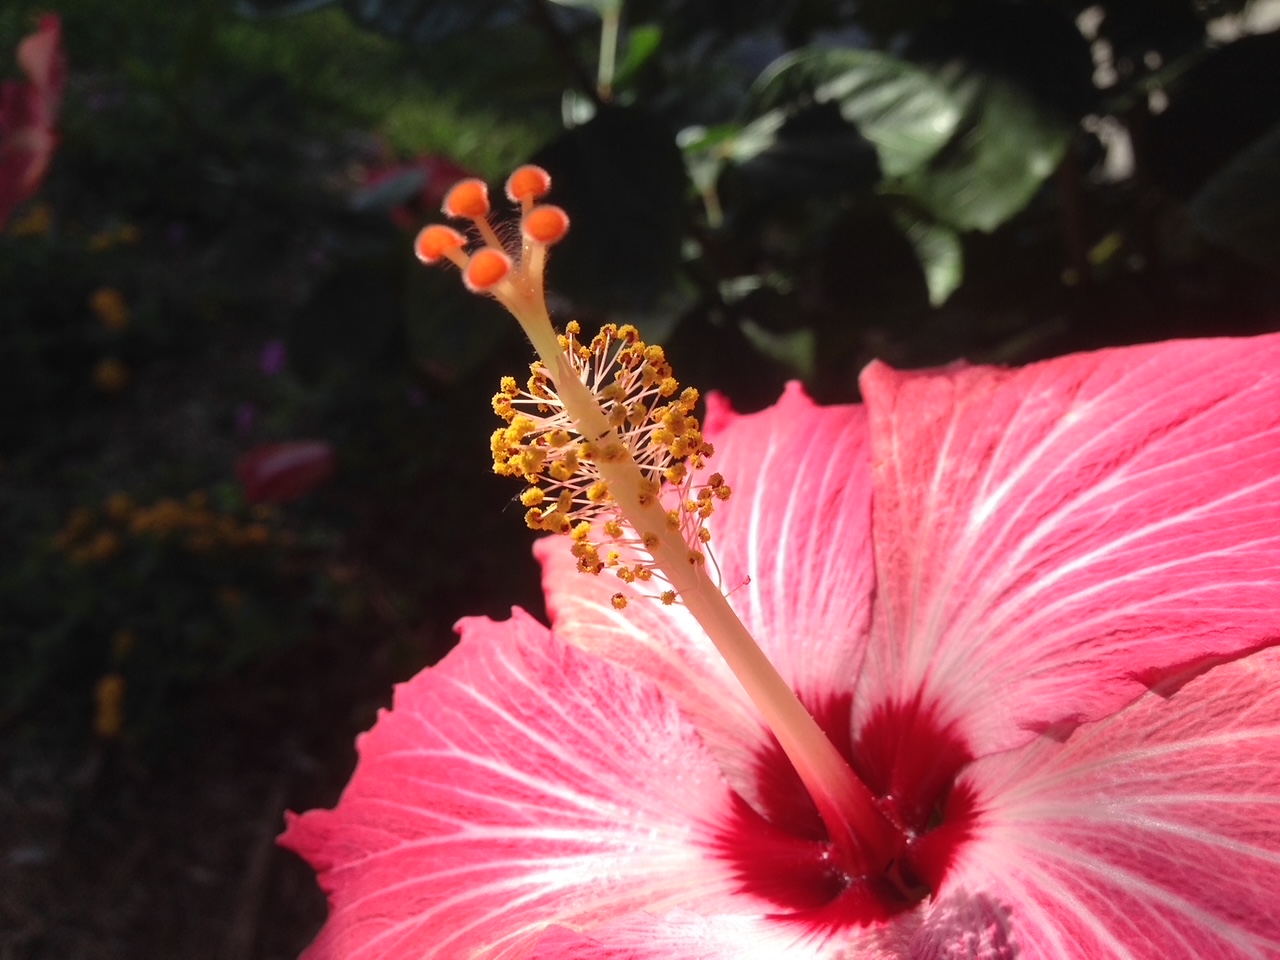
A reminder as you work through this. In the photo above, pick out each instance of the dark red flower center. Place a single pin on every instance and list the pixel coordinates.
(909, 759)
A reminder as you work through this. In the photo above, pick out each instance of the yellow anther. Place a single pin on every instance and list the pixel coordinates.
(668, 597)
(532, 497)
(520, 428)
(598, 492)
(530, 462)
(619, 601)
(581, 531)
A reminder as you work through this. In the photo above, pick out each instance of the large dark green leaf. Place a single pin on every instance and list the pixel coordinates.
(812, 152)
(621, 178)
(1006, 148)
(1239, 206)
(940, 254)
(906, 113)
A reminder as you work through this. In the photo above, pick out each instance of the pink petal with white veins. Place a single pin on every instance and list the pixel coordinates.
(1052, 540)
(794, 540)
(685, 936)
(1152, 834)
(794, 550)
(517, 784)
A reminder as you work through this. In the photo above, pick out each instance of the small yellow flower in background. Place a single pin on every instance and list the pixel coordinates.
(122, 643)
(110, 375)
(119, 506)
(80, 522)
(36, 222)
(264, 511)
(102, 547)
(108, 305)
(108, 697)
(109, 237)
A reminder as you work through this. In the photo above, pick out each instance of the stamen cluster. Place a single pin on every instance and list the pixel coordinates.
(610, 449)
(651, 422)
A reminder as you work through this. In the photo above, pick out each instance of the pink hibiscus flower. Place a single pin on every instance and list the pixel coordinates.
(1032, 611)
(29, 114)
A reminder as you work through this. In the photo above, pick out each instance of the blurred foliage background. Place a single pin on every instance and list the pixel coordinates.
(243, 434)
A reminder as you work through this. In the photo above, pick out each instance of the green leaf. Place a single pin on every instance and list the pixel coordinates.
(906, 113)
(622, 179)
(813, 152)
(1006, 148)
(642, 43)
(1239, 206)
(940, 254)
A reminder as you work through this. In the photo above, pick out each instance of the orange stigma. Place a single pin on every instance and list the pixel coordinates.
(467, 198)
(437, 241)
(545, 224)
(509, 270)
(528, 183)
(487, 268)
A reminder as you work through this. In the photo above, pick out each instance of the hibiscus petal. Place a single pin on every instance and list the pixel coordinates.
(1052, 539)
(519, 783)
(794, 540)
(686, 936)
(793, 547)
(1150, 834)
